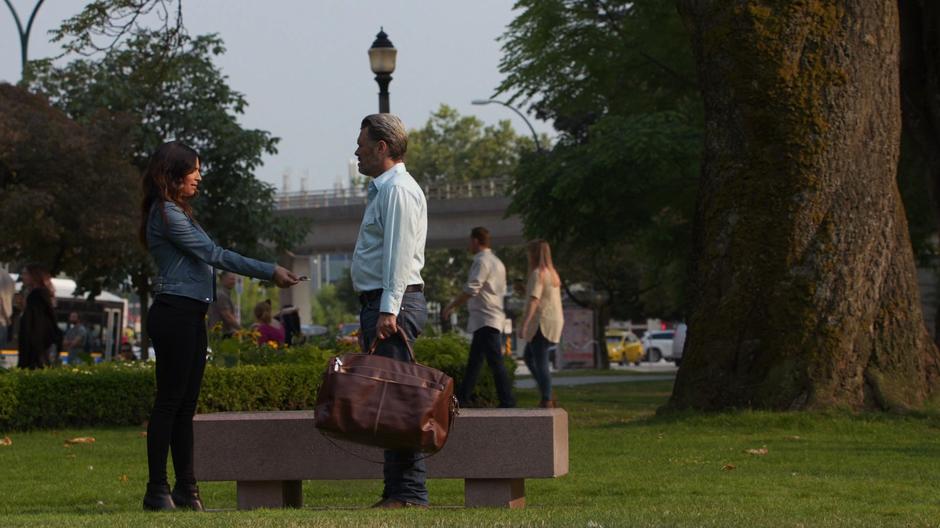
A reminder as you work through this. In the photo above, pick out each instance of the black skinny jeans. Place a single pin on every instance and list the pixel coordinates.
(177, 327)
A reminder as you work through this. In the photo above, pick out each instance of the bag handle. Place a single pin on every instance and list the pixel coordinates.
(367, 459)
(399, 333)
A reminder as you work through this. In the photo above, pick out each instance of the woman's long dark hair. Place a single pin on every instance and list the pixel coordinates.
(163, 180)
(41, 280)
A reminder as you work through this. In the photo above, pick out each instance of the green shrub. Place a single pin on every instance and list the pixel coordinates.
(448, 353)
(122, 393)
(7, 396)
(111, 394)
(260, 388)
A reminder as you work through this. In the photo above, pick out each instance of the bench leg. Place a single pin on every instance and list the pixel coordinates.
(499, 493)
(269, 494)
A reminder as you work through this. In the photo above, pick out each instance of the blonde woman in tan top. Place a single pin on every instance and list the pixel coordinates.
(543, 320)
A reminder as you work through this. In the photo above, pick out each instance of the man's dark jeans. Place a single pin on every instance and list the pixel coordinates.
(405, 471)
(485, 345)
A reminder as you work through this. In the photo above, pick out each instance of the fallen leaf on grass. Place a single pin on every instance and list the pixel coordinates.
(728, 467)
(794, 437)
(759, 452)
(123, 478)
(81, 440)
(6, 441)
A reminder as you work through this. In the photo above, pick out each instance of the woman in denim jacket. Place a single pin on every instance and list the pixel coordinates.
(183, 288)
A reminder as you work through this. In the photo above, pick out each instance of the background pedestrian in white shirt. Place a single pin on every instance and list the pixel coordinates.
(484, 293)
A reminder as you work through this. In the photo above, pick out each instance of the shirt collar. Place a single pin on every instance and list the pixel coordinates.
(383, 178)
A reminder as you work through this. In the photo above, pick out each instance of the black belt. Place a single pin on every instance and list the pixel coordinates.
(371, 295)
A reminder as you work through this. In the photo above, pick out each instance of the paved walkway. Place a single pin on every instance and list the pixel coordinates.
(661, 371)
(529, 383)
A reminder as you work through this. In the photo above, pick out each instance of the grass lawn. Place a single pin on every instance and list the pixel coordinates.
(628, 468)
(580, 373)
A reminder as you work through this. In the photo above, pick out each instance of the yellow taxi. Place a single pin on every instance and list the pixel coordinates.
(623, 346)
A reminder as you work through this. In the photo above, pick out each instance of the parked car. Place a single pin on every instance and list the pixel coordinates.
(312, 330)
(623, 346)
(657, 344)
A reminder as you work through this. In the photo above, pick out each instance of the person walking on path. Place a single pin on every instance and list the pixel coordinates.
(386, 271)
(222, 310)
(543, 320)
(39, 335)
(483, 293)
(76, 339)
(184, 287)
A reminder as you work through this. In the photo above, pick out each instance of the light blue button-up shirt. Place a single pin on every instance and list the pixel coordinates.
(389, 252)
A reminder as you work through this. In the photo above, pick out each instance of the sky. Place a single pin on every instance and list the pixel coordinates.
(303, 67)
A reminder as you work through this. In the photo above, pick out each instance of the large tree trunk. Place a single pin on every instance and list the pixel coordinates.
(804, 292)
(920, 95)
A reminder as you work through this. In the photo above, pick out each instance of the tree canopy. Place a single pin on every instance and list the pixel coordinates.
(67, 192)
(451, 148)
(181, 96)
(615, 194)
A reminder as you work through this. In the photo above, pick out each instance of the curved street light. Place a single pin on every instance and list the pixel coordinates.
(480, 102)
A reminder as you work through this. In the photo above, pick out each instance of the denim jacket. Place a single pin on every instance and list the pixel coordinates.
(185, 256)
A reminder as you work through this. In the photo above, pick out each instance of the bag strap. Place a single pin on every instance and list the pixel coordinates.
(360, 457)
(399, 333)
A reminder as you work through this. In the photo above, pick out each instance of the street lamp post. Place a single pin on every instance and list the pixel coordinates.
(535, 136)
(382, 56)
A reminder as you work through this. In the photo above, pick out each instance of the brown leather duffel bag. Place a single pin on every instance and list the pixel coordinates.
(384, 402)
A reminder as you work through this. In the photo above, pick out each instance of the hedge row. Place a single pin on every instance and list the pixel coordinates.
(122, 393)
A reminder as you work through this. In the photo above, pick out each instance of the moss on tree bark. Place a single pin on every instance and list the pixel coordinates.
(803, 291)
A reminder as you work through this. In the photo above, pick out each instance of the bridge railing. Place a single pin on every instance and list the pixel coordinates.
(489, 188)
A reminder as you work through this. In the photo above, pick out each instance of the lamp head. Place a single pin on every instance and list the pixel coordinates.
(382, 54)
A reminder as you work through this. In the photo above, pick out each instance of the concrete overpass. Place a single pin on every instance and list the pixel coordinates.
(453, 210)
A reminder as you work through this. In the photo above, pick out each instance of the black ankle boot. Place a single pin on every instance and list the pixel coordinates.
(187, 496)
(158, 498)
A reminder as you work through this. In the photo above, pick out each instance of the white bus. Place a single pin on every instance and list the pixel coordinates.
(104, 318)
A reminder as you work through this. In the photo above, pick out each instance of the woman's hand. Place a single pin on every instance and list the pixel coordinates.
(284, 278)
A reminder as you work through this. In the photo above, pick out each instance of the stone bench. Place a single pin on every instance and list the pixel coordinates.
(269, 454)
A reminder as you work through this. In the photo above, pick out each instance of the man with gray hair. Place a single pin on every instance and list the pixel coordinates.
(386, 271)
